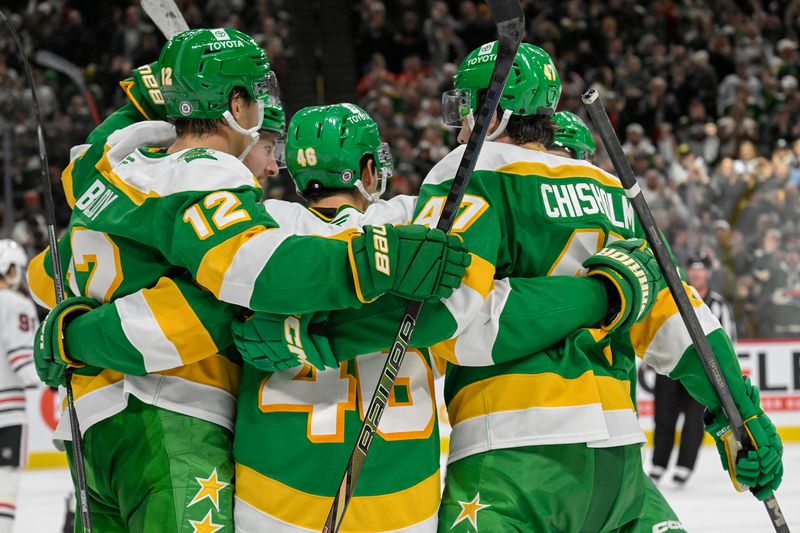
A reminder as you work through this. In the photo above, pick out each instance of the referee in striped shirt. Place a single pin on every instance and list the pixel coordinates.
(672, 399)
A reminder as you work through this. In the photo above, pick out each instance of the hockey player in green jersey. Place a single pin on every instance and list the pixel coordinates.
(410, 496)
(572, 138)
(520, 426)
(195, 208)
(293, 426)
(565, 210)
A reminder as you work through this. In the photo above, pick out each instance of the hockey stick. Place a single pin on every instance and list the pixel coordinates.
(600, 118)
(58, 282)
(166, 16)
(510, 22)
(58, 63)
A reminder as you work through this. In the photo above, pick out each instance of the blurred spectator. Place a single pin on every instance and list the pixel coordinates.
(636, 142)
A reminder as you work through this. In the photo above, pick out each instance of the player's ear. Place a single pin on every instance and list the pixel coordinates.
(368, 174)
(239, 106)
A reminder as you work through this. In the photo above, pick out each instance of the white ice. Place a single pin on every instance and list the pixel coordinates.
(708, 504)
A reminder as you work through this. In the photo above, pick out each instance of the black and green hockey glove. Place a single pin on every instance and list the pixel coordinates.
(413, 262)
(632, 277)
(760, 469)
(278, 342)
(49, 355)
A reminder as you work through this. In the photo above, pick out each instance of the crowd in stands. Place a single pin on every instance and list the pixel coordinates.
(704, 96)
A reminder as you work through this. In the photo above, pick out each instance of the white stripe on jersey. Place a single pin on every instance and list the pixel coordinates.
(672, 339)
(144, 333)
(248, 263)
(295, 218)
(248, 519)
(527, 427)
(474, 344)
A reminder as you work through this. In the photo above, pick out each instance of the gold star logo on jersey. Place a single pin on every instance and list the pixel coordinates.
(206, 525)
(209, 488)
(469, 511)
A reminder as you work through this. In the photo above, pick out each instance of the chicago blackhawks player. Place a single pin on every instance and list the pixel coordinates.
(195, 207)
(18, 323)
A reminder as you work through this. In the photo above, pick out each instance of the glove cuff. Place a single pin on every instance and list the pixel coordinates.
(616, 300)
(359, 264)
(63, 319)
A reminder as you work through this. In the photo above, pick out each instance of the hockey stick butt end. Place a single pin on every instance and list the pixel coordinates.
(590, 96)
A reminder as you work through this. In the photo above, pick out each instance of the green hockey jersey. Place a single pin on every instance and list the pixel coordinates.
(528, 213)
(141, 218)
(319, 412)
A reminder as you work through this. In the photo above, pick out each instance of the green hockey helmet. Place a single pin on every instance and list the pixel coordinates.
(275, 123)
(533, 86)
(274, 119)
(574, 135)
(201, 68)
(325, 146)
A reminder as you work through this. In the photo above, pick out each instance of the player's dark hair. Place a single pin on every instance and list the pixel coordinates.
(526, 129)
(315, 192)
(535, 128)
(207, 126)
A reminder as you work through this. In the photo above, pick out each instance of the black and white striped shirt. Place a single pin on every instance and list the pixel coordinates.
(722, 310)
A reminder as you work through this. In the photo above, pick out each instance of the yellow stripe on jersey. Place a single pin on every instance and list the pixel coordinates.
(40, 282)
(643, 332)
(127, 85)
(615, 394)
(514, 392)
(66, 182)
(217, 260)
(445, 350)
(83, 385)
(215, 371)
(351, 258)
(480, 275)
(528, 168)
(134, 195)
(178, 321)
(388, 512)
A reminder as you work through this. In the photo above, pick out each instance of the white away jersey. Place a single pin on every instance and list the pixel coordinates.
(18, 323)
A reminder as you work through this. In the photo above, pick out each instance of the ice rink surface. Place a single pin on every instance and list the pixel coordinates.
(707, 504)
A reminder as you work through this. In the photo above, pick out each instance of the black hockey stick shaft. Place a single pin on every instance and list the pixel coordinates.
(621, 164)
(58, 282)
(510, 22)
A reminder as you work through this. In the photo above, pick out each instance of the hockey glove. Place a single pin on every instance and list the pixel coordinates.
(144, 90)
(761, 468)
(632, 277)
(413, 262)
(49, 355)
(278, 342)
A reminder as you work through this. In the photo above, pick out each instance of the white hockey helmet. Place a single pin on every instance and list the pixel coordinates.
(12, 254)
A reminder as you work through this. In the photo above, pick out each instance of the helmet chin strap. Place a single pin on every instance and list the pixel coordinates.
(251, 133)
(370, 197)
(500, 127)
(498, 130)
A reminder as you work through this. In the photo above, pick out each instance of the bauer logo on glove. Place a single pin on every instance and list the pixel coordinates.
(637, 271)
(631, 275)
